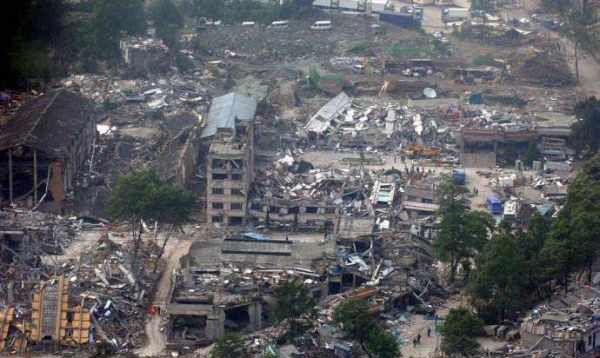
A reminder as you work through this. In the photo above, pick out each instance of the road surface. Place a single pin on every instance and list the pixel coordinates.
(155, 335)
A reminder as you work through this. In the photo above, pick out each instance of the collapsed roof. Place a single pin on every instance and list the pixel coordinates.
(48, 123)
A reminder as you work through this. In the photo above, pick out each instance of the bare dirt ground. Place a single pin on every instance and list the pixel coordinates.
(418, 325)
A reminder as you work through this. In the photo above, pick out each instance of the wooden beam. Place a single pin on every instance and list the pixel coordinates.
(10, 176)
(35, 177)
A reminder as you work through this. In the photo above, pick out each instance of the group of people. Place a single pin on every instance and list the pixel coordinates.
(417, 339)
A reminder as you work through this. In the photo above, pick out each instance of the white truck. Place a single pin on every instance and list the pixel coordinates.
(451, 14)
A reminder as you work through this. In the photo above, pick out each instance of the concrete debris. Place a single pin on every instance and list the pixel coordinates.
(330, 179)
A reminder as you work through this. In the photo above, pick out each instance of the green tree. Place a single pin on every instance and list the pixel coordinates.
(212, 9)
(229, 346)
(459, 332)
(30, 31)
(314, 78)
(293, 300)
(586, 131)
(141, 195)
(498, 284)
(113, 17)
(171, 206)
(462, 232)
(383, 344)
(168, 21)
(577, 21)
(358, 324)
(574, 240)
(532, 154)
(531, 244)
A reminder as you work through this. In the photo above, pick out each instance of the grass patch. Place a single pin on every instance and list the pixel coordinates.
(360, 48)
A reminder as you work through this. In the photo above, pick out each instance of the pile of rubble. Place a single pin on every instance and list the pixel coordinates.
(104, 297)
(543, 68)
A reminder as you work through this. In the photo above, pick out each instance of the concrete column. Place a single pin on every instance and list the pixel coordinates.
(255, 314)
(215, 325)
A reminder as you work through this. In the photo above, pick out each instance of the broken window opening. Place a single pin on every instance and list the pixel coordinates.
(237, 319)
(217, 205)
(236, 220)
(217, 219)
(312, 209)
(188, 328)
(236, 176)
(218, 176)
(236, 206)
(218, 191)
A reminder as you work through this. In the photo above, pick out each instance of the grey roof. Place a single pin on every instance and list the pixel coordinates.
(225, 109)
(320, 122)
(49, 123)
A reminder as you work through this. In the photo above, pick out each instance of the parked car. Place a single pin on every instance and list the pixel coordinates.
(279, 24)
(321, 26)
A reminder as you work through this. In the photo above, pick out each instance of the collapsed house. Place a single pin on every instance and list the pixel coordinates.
(140, 54)
(570, 330)
(301, 201)
(230, 158)
(44, 147)
(225, 284)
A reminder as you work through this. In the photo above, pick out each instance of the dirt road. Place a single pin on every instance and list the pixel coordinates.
(157, 341)
(418, 325)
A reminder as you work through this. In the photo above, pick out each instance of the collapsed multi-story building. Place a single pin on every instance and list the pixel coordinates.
(230, 158)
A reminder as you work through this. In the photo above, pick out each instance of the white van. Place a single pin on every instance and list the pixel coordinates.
(279, 25)
(248, 23)
(321, 25)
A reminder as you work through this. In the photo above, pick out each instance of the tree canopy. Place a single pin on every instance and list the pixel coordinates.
(142, 195)
(167, 19)
(29, 30)
(358, 324)
(586, 131)
(462, 232)
(499, 282)
(459, 332)
(292, 301)
(113, 17)
(229, 346)
(573, 243)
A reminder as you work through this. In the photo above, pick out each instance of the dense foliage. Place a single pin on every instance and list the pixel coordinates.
(229, 346)
(462, 232)
(30, 28)
(142, 195)
(459, 333)
(355, 319)
(586, 131)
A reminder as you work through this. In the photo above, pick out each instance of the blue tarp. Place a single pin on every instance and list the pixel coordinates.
(494, 204)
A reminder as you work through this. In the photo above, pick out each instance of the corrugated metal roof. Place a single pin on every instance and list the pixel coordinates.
(225, 109)
(320, 122)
